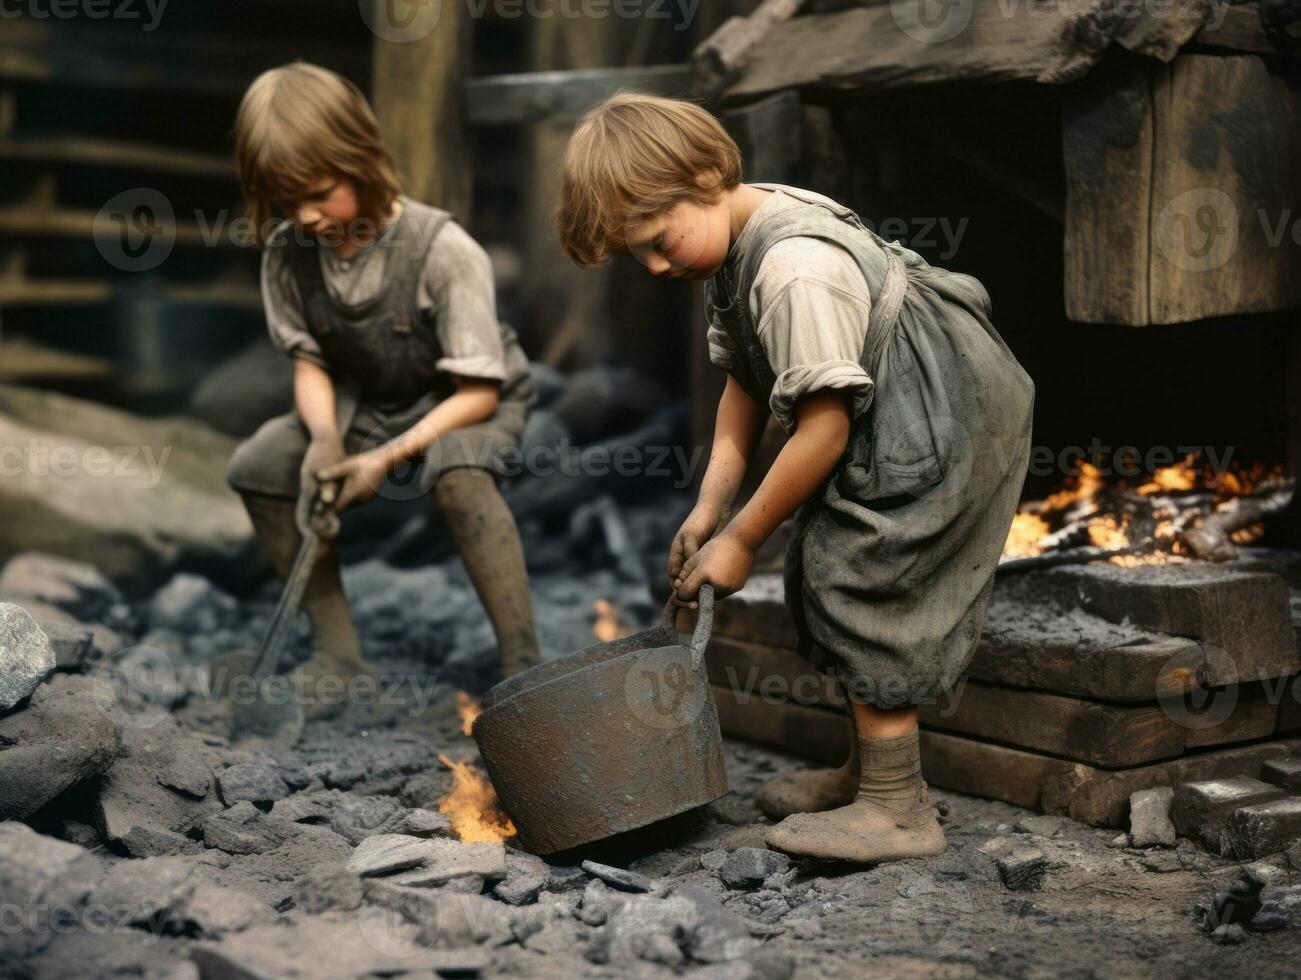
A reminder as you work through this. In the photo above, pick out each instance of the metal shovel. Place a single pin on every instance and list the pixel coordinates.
(267, 709)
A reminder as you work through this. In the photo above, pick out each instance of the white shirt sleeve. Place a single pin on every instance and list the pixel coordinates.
(811, 307)
(457, 284)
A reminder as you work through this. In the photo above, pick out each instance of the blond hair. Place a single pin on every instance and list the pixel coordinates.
(300, 123)
(633, 156)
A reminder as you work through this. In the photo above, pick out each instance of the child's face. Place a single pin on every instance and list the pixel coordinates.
(328, 207)
(687, 241)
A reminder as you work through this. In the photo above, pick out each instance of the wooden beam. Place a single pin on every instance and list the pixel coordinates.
(416, 90)
(96, 152)
(562, 96)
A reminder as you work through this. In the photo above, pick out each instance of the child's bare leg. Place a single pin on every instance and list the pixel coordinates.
(891, 815)
(812, 790)
(488, 539)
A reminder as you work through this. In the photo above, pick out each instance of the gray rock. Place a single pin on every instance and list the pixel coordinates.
(325, 888)
(1042, 825)
(1021, 867)
(59, 739)
(132, 794)
(1284, 773)
(423, 823)
(244, 829)
(74, 644)
(447, 860)
(619, 877)
(566, 878)
(385, 854)
(252, 781)
(457, 920)
(357, 817)
(526, 876)
(212, 910)
(747, 867)
(76, 587)
(720, 936)
(26, 657)
(333, 945)
(635, 923)
(1149, 818)
(146, 893)
(1228, 935)
(164, 508)
(141, 842)
(191, 604)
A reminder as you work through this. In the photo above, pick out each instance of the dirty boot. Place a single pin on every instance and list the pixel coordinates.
(486, 535)
(336, 670)
(891, 816)
(810, 790)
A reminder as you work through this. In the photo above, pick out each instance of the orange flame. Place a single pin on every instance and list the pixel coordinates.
(1023, 538)
(610, 624)
(1180, 476)
(472, 806)
(468, 709)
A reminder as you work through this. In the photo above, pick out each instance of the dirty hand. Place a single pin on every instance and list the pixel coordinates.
(723, 562)
(359, 478)
(698, 528)
(322, 452)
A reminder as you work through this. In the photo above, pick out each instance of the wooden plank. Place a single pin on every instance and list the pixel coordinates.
(1107, 151)
(770, 672)
(1105, 735)
(96, 152)
(91, 292)
(45, 222)
(529, 97)
(1242, 619)
(968, 765)
(721, 56)
(1224, 197)
(893, 45)
(813, 733)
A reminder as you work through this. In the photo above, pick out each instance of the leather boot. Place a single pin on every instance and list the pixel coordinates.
(487, 537)
(336, 665)
(891, 817)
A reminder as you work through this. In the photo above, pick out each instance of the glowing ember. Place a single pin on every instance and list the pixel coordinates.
(610, 624)
(472, 806)
(1183, 511)
(468, 709)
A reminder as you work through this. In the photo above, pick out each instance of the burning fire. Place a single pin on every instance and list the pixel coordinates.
(468, 709)
(472, 806)
(610, 624)
(1184, 511)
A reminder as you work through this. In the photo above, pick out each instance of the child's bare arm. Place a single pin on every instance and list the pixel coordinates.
(736, 430)
(363, 474)
(809, 456)
(314, 398)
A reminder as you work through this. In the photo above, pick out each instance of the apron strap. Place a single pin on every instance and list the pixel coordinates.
(885, 311)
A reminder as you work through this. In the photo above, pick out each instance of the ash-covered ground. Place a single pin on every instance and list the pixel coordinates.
(162, 850)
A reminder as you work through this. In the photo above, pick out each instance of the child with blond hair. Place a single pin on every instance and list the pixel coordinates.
(386, 306)
(909, 434)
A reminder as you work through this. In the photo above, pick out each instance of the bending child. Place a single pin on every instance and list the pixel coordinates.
(909, 437)
(386, 307)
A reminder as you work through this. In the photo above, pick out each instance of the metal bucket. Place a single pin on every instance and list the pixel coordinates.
(609, 739)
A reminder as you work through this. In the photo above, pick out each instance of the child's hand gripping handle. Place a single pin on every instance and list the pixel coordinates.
(704, 621)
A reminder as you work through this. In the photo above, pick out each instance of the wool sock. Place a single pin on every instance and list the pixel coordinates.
(891, 773)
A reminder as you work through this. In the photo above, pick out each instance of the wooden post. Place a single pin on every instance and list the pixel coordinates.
(417, 92)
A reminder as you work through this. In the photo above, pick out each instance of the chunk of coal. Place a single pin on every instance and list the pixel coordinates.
(1149, 817)
(192, 604)
(1042, 825)
(1264, 828)
(1228, 935)
(526, 876)
(1270, 918)
(326, 887)
(747, 867)
(255, 782)
(154, 842)
(629, 881)
(1021, 867)
(1238, 903)
(1201, 809)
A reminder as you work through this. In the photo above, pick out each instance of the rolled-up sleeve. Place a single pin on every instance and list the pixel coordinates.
(813, 331)
(283, 307)
(722, 349)
(457, 286)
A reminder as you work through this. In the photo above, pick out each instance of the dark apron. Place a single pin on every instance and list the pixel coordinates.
(892, 560)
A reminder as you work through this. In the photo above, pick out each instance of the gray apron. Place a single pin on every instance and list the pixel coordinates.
(892, 561)
(383, 355)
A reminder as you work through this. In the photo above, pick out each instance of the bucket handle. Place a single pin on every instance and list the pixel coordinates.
(704, 621)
